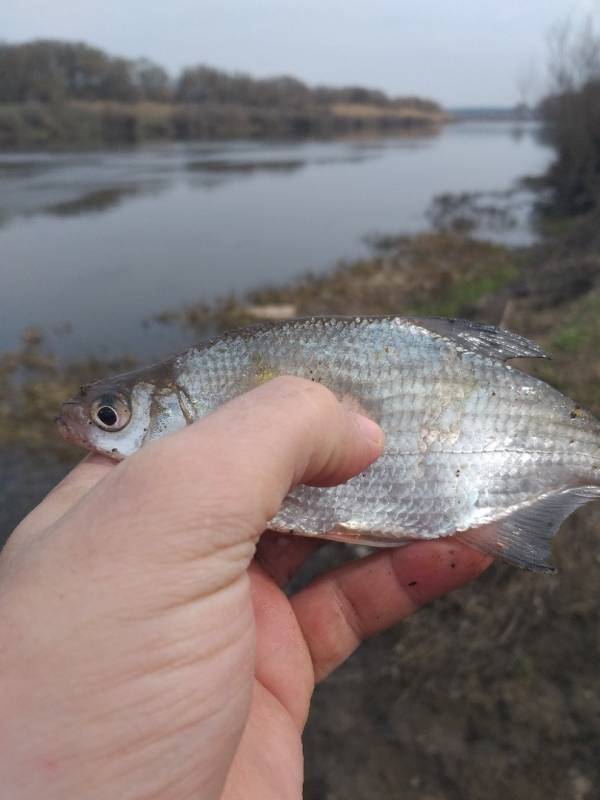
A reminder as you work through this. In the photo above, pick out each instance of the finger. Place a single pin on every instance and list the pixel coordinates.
(352, 602)
(281, 555)
(63, 496)
(229, 472)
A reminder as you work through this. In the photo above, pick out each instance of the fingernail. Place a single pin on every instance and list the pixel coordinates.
(370, 431)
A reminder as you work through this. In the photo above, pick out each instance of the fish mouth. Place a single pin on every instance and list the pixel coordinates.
(62, 426)
(67, 432)
(72, 424)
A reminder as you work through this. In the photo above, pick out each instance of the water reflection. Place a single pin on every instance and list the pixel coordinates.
(96, 202)
(245, 167)
(23, 169)
(92, 183)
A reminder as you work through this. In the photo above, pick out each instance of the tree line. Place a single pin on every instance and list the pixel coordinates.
(57, 94)
(49, 71)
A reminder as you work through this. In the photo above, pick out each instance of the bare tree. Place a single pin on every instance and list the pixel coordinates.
(572, 114)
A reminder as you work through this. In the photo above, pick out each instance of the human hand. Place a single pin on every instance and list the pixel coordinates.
(145, 652)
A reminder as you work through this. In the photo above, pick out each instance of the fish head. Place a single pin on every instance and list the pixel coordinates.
(117, 416)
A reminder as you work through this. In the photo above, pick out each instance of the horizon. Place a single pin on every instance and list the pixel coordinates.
(466, 50)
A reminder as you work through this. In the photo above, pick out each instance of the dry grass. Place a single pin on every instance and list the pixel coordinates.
(433, 273)
(406, 113)
(158, 111)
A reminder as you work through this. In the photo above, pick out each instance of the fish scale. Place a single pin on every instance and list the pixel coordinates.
(473, 445)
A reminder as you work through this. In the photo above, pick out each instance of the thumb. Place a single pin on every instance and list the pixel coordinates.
(227, 474)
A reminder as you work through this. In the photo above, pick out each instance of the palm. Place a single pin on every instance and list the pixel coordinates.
(303, 638)
(269, 763)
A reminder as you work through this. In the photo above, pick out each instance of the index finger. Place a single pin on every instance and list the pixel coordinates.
(347, 605)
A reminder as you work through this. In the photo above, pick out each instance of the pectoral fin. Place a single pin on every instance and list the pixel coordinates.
(524, 538)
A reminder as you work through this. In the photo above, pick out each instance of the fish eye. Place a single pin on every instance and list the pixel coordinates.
(111, 412)
(107, 416)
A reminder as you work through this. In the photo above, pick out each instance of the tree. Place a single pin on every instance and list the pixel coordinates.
(571, 112)
(152, 81)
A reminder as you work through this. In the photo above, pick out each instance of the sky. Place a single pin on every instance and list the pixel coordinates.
(459, 52)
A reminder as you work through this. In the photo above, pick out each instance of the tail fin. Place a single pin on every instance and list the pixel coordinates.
(524, 538)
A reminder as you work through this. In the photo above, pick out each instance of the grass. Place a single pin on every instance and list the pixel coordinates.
(576, 343)
(579, 333)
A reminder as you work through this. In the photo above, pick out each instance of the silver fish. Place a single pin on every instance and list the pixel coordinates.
(473, 446)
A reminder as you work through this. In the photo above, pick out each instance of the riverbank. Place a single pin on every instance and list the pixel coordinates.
(80, 124)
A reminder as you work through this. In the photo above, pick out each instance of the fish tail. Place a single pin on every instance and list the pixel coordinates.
(524, 538)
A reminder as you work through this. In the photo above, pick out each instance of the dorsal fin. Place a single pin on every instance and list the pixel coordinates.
(485, 340)
(524, 538)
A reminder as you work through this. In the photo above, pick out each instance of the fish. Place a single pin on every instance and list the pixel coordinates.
(474, 447)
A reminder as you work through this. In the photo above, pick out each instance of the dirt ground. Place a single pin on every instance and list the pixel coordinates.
(490, 693)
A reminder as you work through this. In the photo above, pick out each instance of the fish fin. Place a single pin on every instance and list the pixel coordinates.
(349, 535)
(485, 340)
(524, 537)
(186, 406)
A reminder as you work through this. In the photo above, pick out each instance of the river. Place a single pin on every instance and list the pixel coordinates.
(93, 244)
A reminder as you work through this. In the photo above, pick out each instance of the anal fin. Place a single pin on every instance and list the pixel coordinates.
(524, 538)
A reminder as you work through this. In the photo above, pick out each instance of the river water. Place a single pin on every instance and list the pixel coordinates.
(96, 243)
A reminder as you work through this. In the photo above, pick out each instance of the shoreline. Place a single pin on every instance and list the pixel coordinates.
(77, 124)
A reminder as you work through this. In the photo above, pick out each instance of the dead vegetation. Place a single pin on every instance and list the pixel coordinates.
(442, 273)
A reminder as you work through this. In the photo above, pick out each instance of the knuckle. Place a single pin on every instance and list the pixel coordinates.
(313, 399)
(319, 400)
(288, 383)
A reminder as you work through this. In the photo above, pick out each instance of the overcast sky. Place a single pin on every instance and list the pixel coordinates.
(461, 52)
